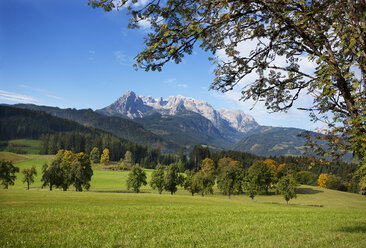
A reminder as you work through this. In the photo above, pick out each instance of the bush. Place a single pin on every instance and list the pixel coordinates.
(307, 177)
(336, 183)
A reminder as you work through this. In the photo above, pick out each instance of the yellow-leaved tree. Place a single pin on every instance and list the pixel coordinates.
(322, 180)
(208, 166)
(105, 156)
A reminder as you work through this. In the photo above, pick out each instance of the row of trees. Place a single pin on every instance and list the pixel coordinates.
(147, 157)
(68, 168)
(231, 178)
(78, 142)
(8, 170)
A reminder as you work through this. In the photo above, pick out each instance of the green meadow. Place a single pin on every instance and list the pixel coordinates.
(110, 216)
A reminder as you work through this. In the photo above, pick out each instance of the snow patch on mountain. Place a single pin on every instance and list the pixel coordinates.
(134, 106)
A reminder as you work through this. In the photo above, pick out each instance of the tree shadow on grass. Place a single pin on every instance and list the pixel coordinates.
(118, 191)
(307, 191)
(358, 228)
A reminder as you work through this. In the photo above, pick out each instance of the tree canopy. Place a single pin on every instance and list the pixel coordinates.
(7, 173)
(330, 34)
(136, 178)
(29, 174)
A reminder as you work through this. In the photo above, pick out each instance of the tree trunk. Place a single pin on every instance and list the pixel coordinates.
(50, 187)
(228, 195)
(6, 186)
(171, 193)
(28, 185)
(192, 194)
(160, 191)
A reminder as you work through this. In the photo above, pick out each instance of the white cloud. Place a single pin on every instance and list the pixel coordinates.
(170, 80)
(15, 97)
(144, 24)
(54, 97)
(121, 58)
(182, 85)
(259, 111)
(91, 51)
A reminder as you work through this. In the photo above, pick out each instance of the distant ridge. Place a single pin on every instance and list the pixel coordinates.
(230, 123)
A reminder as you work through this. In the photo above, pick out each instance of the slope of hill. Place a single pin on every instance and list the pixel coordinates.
(272, 141)
(16, 123)
(120, 127)
(188, 129)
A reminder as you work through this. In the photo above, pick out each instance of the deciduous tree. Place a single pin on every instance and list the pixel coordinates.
(260, 175)
(157, 178)
(95, 155)
(104, 159)
(7, 173)
(51, 174)
(208, 166)
(329, 34)
(68, 168)
(230, 179)
(29, 174)
(136, 178)
(287, 187)
(190, 183)
(128, 161)
(322, 180)
(204, 182)
(172, 178)
(81, 172)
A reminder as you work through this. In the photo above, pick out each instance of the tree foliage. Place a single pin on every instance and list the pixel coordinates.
(51, 174)
(68, 168)
(136, 178)
(230, 179)
(157, 178)
(7, 173)
(208, 166)
(204, 183)
(95, 155)
(128, 161)
(172, 178)
(287, 187)
(260, 175)
(104, 159)
(191, 183)
(322, 180)
(330, 34)
(28, 175)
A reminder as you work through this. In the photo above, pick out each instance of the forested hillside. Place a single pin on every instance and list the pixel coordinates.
(188, 129)
(120, 127)
(19, 123)
(57, 133)
(272, 141)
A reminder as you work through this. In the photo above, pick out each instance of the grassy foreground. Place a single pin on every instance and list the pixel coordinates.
(39, 218)
(107, 216)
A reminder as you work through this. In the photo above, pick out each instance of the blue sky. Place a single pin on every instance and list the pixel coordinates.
(66, 54)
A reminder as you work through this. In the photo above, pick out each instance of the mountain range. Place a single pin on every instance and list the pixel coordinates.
(183, 121)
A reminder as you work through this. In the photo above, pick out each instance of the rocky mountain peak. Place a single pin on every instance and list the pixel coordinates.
(134, 106)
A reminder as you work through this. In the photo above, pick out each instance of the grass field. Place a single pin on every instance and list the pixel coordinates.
(24, 146)
(108, 216)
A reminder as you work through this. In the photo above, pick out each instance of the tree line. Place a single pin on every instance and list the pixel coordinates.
(309, 168)
(230, 177)
(79, 142)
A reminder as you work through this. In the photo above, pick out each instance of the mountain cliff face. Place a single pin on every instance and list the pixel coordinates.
(232, 124)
